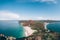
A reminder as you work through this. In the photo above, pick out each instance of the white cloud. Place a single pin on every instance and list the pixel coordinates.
(47, 18)
(41, 18)
(50, 1)
(5, 15)
(47, 1)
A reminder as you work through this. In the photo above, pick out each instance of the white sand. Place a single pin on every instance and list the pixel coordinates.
(28, 31)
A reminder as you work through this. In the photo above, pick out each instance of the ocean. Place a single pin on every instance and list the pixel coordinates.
(55, 27)
(11, 28)
(15, 29)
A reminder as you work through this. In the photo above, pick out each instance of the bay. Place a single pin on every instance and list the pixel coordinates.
(11, 28)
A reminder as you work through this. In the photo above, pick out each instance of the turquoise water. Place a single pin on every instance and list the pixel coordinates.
(55, 27)
(11, 28)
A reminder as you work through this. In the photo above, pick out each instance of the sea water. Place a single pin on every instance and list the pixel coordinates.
(55, 27)
(11, 28)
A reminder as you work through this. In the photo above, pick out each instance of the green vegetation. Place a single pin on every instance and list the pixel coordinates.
(43, 33)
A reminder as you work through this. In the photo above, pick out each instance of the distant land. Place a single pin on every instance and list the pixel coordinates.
(49, 21)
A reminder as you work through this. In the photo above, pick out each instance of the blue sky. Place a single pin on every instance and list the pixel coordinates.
(30, 9)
